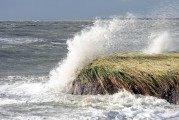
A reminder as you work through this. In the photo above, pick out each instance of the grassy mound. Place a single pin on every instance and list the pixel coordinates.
(155, 75)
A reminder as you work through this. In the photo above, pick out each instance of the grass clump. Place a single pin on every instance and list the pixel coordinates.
(155, 75)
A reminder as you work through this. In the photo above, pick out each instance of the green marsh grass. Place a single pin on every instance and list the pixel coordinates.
(135, 72)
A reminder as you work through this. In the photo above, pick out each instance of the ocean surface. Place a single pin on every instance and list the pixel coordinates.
(39, 60)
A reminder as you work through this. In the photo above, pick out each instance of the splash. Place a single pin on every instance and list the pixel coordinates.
(159, 42)
(103, 38)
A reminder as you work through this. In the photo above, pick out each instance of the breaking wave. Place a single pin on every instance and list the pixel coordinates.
(103, 38)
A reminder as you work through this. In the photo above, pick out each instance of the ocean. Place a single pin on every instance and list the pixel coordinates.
(40, 59)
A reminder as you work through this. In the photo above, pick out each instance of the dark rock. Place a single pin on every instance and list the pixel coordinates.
(152, 75)
(94, 88)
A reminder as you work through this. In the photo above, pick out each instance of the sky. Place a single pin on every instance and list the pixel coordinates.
(84, 9)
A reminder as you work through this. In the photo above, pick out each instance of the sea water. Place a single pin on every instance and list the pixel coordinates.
(40, 59)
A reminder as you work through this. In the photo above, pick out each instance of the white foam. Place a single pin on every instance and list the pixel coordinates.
(24, 85)
(6, 101)
(124, 105)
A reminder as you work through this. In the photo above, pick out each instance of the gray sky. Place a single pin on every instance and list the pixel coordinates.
(84, 9)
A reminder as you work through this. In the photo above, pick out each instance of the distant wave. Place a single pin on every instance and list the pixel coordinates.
(17, 41)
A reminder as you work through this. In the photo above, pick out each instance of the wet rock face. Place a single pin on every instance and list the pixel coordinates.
(79, 88)
(84, 88)
(173, 95)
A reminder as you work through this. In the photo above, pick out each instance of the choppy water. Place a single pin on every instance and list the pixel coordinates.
(30, 50)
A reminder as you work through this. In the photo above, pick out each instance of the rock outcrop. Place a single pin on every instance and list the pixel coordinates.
(154, 75)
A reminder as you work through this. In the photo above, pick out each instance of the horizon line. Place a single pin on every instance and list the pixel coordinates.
(102, 18)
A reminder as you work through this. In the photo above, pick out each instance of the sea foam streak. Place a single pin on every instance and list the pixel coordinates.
(103, 38)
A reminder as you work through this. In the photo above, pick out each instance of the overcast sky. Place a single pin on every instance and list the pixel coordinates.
(84, 9)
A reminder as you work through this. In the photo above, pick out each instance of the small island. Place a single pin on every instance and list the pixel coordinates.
(146, 74)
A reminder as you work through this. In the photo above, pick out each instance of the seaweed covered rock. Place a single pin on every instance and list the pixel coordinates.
(155, 75)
